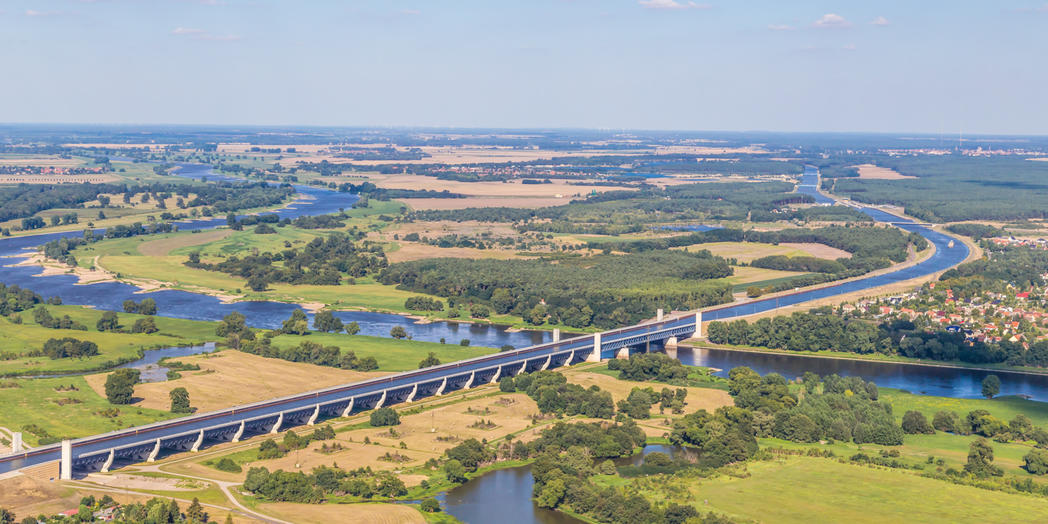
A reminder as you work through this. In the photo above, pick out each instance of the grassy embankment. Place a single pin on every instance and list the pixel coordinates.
(114, 348)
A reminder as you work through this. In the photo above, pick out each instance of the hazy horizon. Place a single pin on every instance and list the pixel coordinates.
(821, 67)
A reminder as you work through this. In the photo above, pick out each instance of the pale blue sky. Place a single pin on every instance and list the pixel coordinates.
(919, 66)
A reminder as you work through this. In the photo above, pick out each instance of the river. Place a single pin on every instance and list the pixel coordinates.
(260, 314)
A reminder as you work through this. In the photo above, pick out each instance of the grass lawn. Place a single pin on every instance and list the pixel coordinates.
(113, 348)
(35, 401)
(392, 354)
(804, 490)
(1004, 408)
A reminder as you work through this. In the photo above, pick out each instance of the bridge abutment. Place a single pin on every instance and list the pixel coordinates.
(66, 469)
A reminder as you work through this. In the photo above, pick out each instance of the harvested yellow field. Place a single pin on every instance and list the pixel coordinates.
(749, 251)
(698, 398)
(416, 251)
(163, 246)
(230, 378)
(872, 172)
(492, 201)
(372, 513)
(748, 274)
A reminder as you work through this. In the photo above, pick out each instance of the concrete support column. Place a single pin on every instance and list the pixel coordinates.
(671, 347)
(556, 334)
(414, 391)
(349, 407)
(382, 400)
(495, 377)
(199, 442)
(240, 432)
(156, 451)
(546, 364)
(623, 353)
(66, 466)
(313, 418)
(595, 355)
(698, 324)
(276, 427)
(658, 315)
(472, 377)
(443, 386)
(523, 366)
(109, 461)
(16, 441)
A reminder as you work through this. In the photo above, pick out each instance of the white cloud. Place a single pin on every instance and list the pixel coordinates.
(200, 34)
(780, 27)
(34, 12)
(671, 4)
(880, 21)
(831, 21)
(182, 31)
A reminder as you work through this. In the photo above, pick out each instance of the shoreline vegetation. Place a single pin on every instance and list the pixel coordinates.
(887, 359)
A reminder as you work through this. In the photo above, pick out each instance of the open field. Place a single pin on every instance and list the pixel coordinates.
(79, 412)
(392, 354)
(1004, 408)
(795, 489)
(112, 347)
(485, 201)
(371, 513)
(164, 246)
(872, 172)
(698, 398)
(231, 377)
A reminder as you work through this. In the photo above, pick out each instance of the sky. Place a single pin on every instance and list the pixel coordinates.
(887, 66)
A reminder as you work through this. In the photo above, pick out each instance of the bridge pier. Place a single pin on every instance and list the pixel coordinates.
(546, 365)
(16, 441)
(522, 367)
(595, 355)
(556, 334)
(239, 433)
(443, 386)
(109, 461)
(66, 466)
(414, 391)
(156, 451)
(199, 442)
(671, 347)
(349, 407)
(276, 427)
(658, 315)
(495, 377)
(698, 325)
(623, 353)
(313, 417)
(472, 377)
(381, 400)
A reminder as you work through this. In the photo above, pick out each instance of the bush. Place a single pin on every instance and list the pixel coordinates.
(1036, 461)
(430, 505)
(384, 417)
(945, 421)
(227, 464)
(915, 423)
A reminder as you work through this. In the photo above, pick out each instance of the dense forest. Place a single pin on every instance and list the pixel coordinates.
(24, 200)
(602, 291)
(952, 188)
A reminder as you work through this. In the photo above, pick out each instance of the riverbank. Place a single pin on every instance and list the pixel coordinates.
(888, 359)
